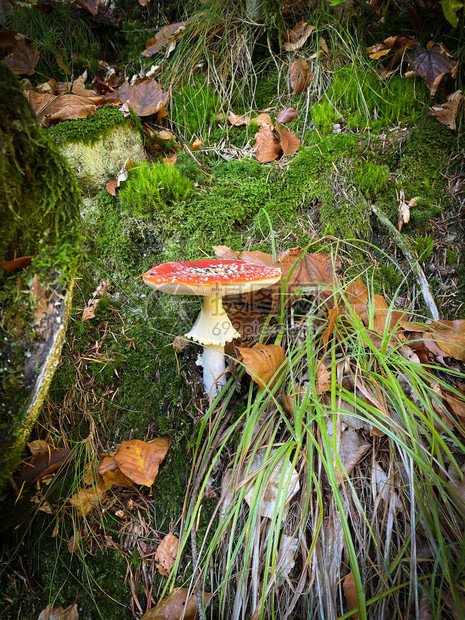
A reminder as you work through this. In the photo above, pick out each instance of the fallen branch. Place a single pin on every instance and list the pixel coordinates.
(403, 244)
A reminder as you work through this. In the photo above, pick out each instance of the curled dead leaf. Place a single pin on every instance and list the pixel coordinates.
(140, 460)
(262, 362)
(447, 112)
(21, 54)
(196, 144)
(300, 76)
(162, 38)
(267, 146)
(237, 120)
(263, 120)
(290, 143)
(58, 613)
(298, 36)
(165, 555)
(448, 338)
(391, 44)
(288, 115)
(177, 605)
(350, 593)
(170, 161)
(432, 64)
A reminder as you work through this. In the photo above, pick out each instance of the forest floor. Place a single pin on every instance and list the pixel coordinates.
(328, 475)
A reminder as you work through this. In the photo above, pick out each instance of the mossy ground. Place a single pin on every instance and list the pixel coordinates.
(119, 372)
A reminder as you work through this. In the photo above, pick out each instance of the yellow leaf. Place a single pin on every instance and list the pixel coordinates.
(139, 461)
(262, 361)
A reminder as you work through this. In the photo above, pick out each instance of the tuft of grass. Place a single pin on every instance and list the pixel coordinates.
(389, 520)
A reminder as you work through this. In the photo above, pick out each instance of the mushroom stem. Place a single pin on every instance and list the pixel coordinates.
(214, 375)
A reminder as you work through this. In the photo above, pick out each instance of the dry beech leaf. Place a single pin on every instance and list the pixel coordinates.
(350, 593)
(164, 134)
(286, 116)
(22, 55)
(89, 5)
(432, 64)
(446, 113)
(290, 143)
(63, 107)
(262, 361)
(180, 343)
(97, 295)
(162, 38)
(333, 314)
(45, 460)
(263, 120)
(38, 446)
(285, 560)
(170, 161)
(298, 36)
(165, 555)
(177, 605)
(300, 76)
(140, 460)
(283, 474)
(16, 264)
(195, 145)
(267, 146)
(79, 87)
(58, 613)
(85, 500)
(145, 96)
(112, 476)
(323, 378)
(391, 44)
(237, 120)
(447, 339)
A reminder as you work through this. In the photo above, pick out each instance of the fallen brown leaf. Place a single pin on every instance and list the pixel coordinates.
(58, 613)
(162, 38)
(333, 315)
(21, 54)
(286, 116)
(298, 36)
(290, 143)
(323, 378)
(140, 460)
(262, 361)
(89, 5)
(447, 339)
(391, 44)
(16, 264)
(432, 64)
(447, 112)
(350, 593)
(165, 555)
(170, 161)
(177, 605)
(300, 76)
(263, 120)
(85, 500)
(45, 460)
(267, 146)
(237, 120)
(145, 96)
(97, 296)
(196, 144)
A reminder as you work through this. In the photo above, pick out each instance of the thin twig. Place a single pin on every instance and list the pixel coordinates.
(402, 242)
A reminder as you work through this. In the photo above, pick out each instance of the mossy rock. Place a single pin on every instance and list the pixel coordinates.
(97, 147)
(39, 215)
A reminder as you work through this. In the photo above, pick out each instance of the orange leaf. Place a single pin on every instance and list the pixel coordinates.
(348, 585)
(289, 141)
(333, 314)
(165, 555)
(300, 76)
(170, 161)
(267, 146)
(176, 606)
(263, 120)
(262, 362)
(85, 500)
(195, 145)
(448, 338)
(323, 376)
(16, 264)
(237, 120)
(140, 461)
(112, 475)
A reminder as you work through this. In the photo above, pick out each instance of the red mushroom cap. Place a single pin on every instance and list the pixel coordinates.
(211, 277)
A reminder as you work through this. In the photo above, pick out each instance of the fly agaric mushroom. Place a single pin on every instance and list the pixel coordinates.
(213, 279)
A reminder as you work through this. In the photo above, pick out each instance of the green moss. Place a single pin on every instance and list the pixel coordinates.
(91, 129)
(425, 160)
(363, 100)
(151, 189)
(371, 179)
(39, 216)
